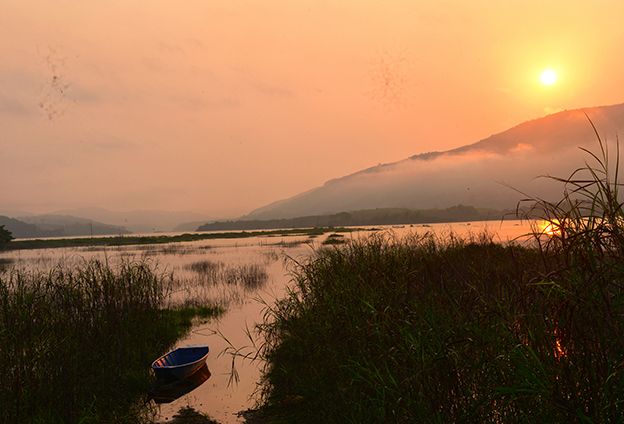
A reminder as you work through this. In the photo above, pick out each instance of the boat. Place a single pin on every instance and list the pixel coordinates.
(181, 363)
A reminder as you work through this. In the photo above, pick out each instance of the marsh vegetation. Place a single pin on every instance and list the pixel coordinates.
(459, 329)
(80, 326)
(77, 340)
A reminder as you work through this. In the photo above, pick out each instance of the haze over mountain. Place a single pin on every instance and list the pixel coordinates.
(37, 226)
(488, 173)
(97, 221)
(138, 221)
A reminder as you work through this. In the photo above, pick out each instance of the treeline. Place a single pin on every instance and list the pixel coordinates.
(382, 216)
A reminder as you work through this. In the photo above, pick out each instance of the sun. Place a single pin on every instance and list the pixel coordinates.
(548, 77)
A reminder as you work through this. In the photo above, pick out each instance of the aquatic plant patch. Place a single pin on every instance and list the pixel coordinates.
(77, 341)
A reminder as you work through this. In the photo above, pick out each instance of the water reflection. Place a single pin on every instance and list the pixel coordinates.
(164, 392)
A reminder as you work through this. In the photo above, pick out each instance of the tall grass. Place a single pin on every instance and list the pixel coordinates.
(586, 286)
(77, 342)
(394, 330)
(247, 276)
(459, 330)
(586, 227)
(221, 283)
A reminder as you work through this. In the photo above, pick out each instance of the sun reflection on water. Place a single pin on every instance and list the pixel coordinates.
(551, 228)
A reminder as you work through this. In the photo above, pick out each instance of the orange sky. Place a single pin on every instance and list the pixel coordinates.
(223, 107)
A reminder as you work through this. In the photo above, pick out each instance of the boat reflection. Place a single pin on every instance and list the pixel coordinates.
(164, 392)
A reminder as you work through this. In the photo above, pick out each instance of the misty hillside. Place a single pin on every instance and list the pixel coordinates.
(139, 221)
(486, 174)
(57, 226)
(75, 222)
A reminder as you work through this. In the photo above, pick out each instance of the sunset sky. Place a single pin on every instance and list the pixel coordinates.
(221, 107)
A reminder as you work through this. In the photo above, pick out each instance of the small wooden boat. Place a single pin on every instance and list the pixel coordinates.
(180, 363)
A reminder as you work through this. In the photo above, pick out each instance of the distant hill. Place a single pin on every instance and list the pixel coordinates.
(19, 229)
(485, 174)
(138, 221)
(188, 226)
(57, 226)
(384, 216)
(104, 222)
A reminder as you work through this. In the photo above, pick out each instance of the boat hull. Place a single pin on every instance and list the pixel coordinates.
(180, 363)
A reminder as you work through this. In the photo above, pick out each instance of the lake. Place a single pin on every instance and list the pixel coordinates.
(218, 396)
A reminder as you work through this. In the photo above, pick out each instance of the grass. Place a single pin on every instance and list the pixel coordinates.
(247, 276)
(77, 342)
(218, 283)
(333, 239)
(429, 330)
(385, 330)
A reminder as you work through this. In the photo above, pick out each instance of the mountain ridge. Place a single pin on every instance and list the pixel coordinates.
(98, 221)
(490, 173)
(37, 226)
(137, 221)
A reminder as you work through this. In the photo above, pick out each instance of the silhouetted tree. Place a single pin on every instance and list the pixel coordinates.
(5, 235)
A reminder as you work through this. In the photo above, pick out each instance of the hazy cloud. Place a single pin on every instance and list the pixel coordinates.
(14, 106)
(237, 104)
(272, 90)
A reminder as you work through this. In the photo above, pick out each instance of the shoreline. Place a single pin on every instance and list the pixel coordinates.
(126, 240)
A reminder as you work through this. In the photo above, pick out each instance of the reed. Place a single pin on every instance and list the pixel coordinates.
(383, 329)
(246, 276)
(437, 330)
(77, 342)
(217, 283)
(585, 287)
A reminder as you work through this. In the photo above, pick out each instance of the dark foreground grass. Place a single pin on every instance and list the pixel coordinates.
(421, 330)
(77, 342)
(410, 331)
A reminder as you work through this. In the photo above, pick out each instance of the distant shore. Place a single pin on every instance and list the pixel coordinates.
(125, 240)
(379, 216)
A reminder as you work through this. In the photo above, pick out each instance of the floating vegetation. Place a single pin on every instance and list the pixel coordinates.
(335, 239)
(248, 276)
(271, 255)
(216, 282)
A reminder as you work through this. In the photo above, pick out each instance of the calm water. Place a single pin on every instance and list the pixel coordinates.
(216, 396)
